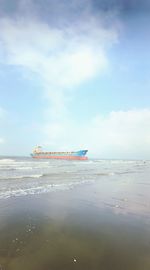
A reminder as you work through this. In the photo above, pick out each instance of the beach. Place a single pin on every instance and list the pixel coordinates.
(68, 215)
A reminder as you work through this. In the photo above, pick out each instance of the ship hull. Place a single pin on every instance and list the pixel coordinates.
(61, 157)
(78, 155)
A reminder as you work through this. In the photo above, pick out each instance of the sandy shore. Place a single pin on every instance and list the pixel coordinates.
(80, 228)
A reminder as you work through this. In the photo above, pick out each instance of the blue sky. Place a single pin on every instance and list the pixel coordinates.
(75, 74)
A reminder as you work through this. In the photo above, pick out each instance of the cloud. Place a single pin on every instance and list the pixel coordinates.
(2, 140)
(62, 58)
(120, 134)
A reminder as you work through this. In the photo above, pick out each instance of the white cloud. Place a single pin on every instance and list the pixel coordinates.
(61, 58)
(2, 140)
(120, 134)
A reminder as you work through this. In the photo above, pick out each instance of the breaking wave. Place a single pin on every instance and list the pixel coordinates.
(24, 176)
(35, 190)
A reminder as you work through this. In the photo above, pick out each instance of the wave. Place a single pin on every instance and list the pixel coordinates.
(21, 176)
(122, 161)
(2, 168)
(85, 162)
(7, 160)
(24, 168)
(11, 167)
(104, 174)
(41, 189)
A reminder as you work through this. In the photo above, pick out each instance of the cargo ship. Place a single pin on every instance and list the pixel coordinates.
(74, 155)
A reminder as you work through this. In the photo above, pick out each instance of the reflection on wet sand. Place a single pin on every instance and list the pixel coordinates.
(63, 231)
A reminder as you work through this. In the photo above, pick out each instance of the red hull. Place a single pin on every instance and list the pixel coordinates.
(61, 157)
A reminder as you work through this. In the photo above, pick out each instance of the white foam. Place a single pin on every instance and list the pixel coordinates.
(24, 168)
(40, 189)
(21, 176)
(83, 162)
(6, 160)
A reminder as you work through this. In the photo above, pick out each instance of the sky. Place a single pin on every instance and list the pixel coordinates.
(75, 74)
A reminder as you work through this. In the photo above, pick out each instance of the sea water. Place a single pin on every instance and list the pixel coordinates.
(128, 180)
(124, 183)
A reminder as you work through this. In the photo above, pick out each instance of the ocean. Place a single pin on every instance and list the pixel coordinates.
(60, 214)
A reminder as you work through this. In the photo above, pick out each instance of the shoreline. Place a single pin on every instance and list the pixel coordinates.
(71, 229)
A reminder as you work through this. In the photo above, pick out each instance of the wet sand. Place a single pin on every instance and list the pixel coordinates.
(74, 229)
